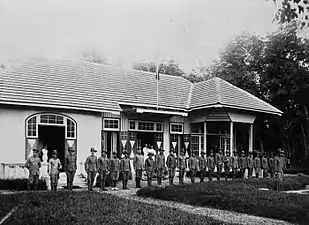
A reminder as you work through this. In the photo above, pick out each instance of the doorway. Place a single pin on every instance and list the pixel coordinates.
(54, 138)
(145, 138)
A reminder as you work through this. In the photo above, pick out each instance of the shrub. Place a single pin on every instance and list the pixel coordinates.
(20, 184)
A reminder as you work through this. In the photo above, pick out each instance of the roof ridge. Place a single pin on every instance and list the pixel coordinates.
(218, 89)
(251, 95)
(189, 96)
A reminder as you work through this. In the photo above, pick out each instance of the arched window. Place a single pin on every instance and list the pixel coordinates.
(32, 127)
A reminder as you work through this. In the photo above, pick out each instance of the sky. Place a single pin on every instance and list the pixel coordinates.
(127, 31)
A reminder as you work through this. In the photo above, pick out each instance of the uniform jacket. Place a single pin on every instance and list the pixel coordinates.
(242, 162)
(219, 159)
(234, 161)
(257, 163)
(125, 165)
(227, 160)
(104, 164)
(271, 163)
(91, 164)
(202, 163)
(33, 165)
(250, 162)
(70, 162)
(149, 164)
(182, 162)
(193, 163)
(160, 161)
(138, 162)
(278, 164)
(53, 166)
(211, 162)
(115, 165)
(171, 161)
(264, 163)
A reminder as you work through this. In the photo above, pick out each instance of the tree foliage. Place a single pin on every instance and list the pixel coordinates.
(94, 57)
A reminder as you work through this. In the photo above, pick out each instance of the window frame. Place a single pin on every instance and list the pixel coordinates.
(111, 129)
(176, 132)
(155, 125)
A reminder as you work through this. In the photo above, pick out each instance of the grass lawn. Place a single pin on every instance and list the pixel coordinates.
(83, 207)
(241, 196)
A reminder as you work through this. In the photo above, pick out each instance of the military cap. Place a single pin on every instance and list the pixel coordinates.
(126, 153)
(172, 150)
(70, 149)
(150, 153)
(55, 152)
(35, 150)
(103, 150)
(93, 149)
(161, 150)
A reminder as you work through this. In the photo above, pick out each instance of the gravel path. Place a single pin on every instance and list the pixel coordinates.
(221, 215)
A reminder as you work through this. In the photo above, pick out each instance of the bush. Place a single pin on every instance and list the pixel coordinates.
(20, 184)
(241, 196)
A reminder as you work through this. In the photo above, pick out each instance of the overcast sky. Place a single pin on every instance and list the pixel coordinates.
(128, 30)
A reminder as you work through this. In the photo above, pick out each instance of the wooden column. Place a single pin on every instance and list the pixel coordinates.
(205, 137)
(231, 137)
(251, 137)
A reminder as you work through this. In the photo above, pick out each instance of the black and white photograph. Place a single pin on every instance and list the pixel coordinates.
(154, 112)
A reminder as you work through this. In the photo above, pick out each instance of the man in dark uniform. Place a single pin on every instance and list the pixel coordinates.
(182, 166)
(114, 170)
(70, 167)
(171, 165)
(219, 163)
(271, 165)
(202, 166)
(125, 168)
(211, 164)
(227, 161)
(160, 166)
(234, 165)
(104, 167)
(193, 166)
(139, 165)
(264, 164)
(33, 164)
(242, 164)
(279, 165)
(149, 166)
(250, 162)
(91, 167)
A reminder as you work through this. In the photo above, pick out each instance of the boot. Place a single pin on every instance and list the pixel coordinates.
(136, 182)
(126, 185)
(123, 185)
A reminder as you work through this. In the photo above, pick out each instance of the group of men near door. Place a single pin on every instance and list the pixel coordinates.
(157, 164)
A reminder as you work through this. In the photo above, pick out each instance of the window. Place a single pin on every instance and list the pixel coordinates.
(158, 126)
(31, 127)
(176, 128)
(197, 143)
(111, 124)
(51, 119)
(70, 129)
(146, 126)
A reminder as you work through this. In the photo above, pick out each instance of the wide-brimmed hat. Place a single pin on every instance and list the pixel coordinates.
(93, 149)
(35, 150)
(150, 153)
(70, 149)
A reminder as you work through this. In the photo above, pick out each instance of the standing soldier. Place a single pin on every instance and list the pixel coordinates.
(53, 167)
(271, 165)
(33, 164)
(70, 167)
(202, 166)
(171, 165)
(278, 166)
(149, 166)
(242, 164)
(160, 166)
(125, 168)
(257, 164)
(234, 164)
(250, 163)
(114, 170)
(227, 160)
(138, 164)
(193, 166)
(219, 163)
(211, 164)
(104, 167)
(264, 165)
(182, 166)
(91, 167)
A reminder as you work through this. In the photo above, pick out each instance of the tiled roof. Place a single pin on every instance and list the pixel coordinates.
(220, 92)
(96, 87)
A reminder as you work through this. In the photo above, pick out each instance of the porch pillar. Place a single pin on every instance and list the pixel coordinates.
(251, 137)
(205, 137)
(231, 138)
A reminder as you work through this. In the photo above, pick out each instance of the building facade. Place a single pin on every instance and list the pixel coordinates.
(61, 103)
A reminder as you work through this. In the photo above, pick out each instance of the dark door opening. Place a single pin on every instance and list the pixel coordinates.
(146, 138)
(54, 138)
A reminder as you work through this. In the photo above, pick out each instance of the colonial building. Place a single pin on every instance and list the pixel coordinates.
(62, 103)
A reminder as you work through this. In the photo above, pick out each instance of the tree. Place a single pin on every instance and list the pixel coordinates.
(94, 57)
(169, 67)
(291, 10)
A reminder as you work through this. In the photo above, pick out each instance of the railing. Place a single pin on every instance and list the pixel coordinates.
(13, 171)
